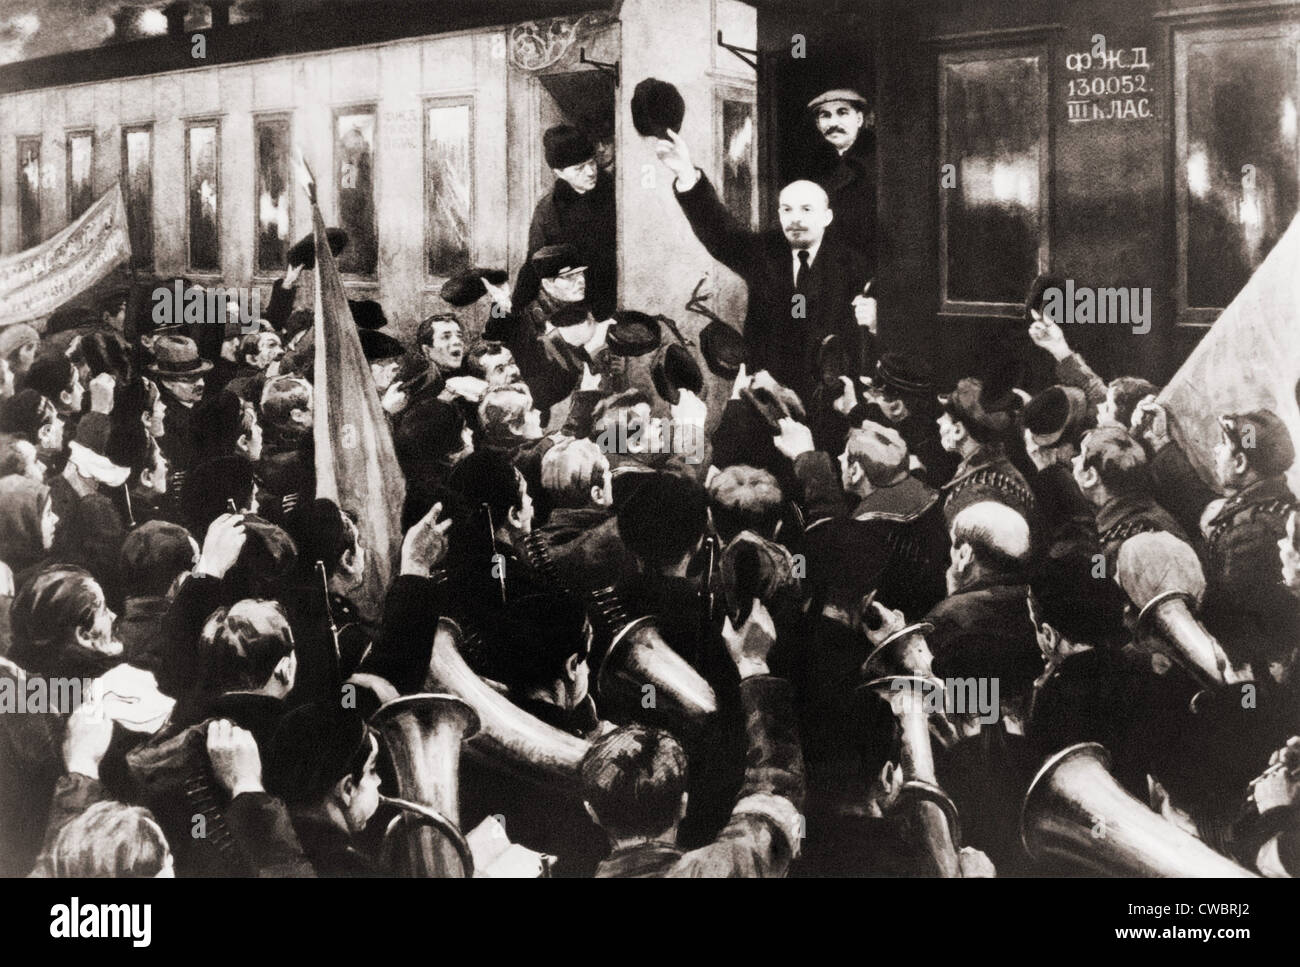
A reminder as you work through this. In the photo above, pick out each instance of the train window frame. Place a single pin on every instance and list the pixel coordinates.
(137, 260)
(68, 137)
(1042, 50)
(21, 141)
(735, 93)
(466, 101)
(190, 267)
(1185, 38)
(370, 107)
(273, 117)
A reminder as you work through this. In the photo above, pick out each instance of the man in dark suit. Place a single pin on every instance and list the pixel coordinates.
(802, 285)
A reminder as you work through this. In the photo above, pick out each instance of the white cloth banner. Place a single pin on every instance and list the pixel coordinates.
(35, 282)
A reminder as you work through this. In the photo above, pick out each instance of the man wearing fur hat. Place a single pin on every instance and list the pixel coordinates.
(579, 211)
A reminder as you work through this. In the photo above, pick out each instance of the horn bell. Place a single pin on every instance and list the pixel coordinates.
(639, 657)
(508, 737)
(1076, 811)
(423, 735)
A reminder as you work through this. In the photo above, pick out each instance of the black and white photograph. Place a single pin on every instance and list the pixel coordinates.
(652, 439)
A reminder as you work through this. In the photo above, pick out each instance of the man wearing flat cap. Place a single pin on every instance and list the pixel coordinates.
(845, 168)
(1246, 604)
(578, 211)
(1246, 607)
(555, 339)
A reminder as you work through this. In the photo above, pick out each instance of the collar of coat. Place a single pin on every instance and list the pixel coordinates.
(903, 502)
(986, 456)
(640, 860)
(1262, 493)
(564, 194)
(1123, 508)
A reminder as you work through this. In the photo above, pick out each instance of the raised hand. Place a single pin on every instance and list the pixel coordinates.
(101, 393)
(499, 294)
(221, 545)
(425, 545)
(676, 157)
(86, 739)
(1046, 334)
(794, 439)
(236, 763)
(749, 644)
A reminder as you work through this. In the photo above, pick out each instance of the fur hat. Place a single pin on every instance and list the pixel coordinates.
(565, 146)
(657, 105)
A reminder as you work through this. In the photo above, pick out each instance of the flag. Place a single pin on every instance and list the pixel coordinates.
(356, 466)
(1250, 359)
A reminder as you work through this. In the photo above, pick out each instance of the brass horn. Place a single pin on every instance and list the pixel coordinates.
(423, 734)
(1075, 810)
(935, 812)
(1169, 618)
(681, 700)
(637, 656)
(508, 737)
(900, 653)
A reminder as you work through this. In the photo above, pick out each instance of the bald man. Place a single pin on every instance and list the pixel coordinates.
(802, 282)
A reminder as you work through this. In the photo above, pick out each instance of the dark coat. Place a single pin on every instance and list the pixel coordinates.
(1068, 519)
(894, 540)
(759, 839)
(1123, 517)
(587, 221)
(775, 340)
(176, 443)
(140, 629)
(717, 752)
(1246, 605)
(30, 764)
(586, 547)
(984, 631)
(546, 820)
(287, 473)
(988, 474)
(330, 849)
(174, 780)
(850, 183)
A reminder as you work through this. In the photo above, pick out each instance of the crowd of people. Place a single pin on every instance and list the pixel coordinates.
(851, 521)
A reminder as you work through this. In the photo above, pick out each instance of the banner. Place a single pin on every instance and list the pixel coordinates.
(1250, 359)
(356, 465)
(37, 281)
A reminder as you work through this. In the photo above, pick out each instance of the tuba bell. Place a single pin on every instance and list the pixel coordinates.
(1076, 811)
(508, 737)
(423, 734)
(933, 809)
(639, 658)
(1168, 618)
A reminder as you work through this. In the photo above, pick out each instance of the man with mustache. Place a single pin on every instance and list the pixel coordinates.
(846, 169)
(802, 282)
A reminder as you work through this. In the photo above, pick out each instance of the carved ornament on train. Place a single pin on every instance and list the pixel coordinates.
(538, 44)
